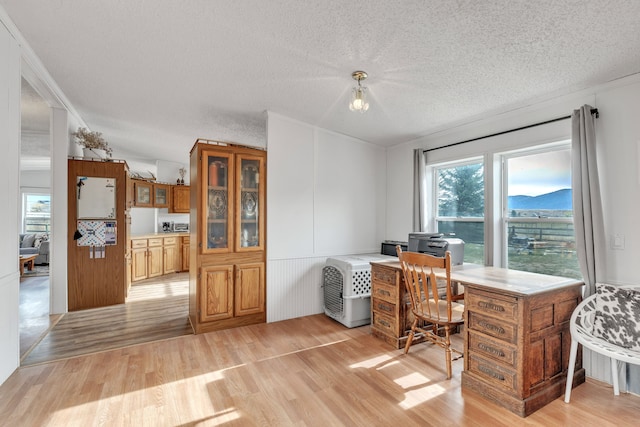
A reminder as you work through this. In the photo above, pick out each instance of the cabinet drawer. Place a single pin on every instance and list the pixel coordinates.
(170, 241)
(385, 324)
(383, 307)
(492, 326)
(493, 349)
(139, 243)
(155, 242)
(384, 291)
(185, 240)
(495, 307)
(493, 372)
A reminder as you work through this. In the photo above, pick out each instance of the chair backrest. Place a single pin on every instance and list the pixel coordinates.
(422, 285)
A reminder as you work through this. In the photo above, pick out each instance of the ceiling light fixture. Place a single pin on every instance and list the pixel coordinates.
(359, 93)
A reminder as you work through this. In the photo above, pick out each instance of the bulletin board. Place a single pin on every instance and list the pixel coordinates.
(96, 197)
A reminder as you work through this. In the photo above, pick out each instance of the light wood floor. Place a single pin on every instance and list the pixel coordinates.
(310, 371)
(155, 309)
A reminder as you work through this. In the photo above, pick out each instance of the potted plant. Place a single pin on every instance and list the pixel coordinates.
(93, 144)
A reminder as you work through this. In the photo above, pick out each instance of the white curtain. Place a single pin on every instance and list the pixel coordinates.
(419, 195)
(587, 206)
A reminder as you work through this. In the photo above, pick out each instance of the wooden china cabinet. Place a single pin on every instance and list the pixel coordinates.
(227, 246)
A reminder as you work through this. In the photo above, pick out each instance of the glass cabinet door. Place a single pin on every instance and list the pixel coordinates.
(218, 199)
(250, 206)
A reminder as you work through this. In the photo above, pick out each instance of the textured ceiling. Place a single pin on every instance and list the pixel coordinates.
(154, 75)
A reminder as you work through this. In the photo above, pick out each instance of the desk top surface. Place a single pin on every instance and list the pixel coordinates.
(507, 281)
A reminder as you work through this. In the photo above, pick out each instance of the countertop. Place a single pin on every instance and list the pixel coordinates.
(160, 234)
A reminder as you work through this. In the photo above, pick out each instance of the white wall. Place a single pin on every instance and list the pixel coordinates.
(9, 172)
(618, 139)
(325, 197)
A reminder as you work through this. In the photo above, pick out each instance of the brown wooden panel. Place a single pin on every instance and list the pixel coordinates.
(564, 309)
(96, 282)
(541, 318)
(552, 356)
(249, 289)
(535, 364)
(217, 293)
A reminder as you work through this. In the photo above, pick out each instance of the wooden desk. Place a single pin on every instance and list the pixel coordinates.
(29, 261)
(516, 333)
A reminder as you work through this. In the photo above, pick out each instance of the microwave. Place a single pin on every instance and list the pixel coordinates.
(180, 226)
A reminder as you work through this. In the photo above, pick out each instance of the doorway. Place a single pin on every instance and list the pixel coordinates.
(35, 217)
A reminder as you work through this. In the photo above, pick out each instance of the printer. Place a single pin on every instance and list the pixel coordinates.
(436, 244)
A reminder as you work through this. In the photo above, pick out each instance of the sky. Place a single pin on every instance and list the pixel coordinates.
(538, 174)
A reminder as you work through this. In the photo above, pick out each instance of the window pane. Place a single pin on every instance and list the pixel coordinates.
(461, 191)
(539, 191)
(472, 233)
(37, 213)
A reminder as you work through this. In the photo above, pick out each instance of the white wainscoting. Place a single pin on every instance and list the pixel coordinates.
(9, 318)
(294, 288)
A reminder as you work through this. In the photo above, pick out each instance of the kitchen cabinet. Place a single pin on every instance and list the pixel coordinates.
(142, 194)
(153, 257)
(227, 278)
(138, 259)
(179, 199)
(161, 195)
(151, 194)
(170, 261)
(185, 254)
(155, 266)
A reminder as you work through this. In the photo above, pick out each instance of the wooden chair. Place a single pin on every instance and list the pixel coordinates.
(431, 304)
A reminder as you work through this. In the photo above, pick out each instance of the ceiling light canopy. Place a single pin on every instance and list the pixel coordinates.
(359, 93)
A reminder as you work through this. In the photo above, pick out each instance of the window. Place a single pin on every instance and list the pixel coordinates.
(539, 213)
(511, 208)
(460, 205)
(36, 213)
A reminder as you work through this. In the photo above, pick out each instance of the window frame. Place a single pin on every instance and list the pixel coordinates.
(496, 185)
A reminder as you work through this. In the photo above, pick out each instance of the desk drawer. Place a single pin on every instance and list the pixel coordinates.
(492, 326)
(384, 291)
(385, 324)
(493, 372)
(385, 275)
(139, 243)
(384, 307)
(494, 349)
(487, 304)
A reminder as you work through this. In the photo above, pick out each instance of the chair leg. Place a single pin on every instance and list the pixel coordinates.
(614, 377)
(447, 350)
(410, 337)
(572, 367)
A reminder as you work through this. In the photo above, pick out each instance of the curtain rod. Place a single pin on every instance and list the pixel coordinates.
(594, 111)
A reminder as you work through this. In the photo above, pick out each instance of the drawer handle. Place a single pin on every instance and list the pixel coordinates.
(494, 328)
(490, 306)
(385, 307)
(384, 323)
(490, 372)
(489, 349)
(384, 292)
